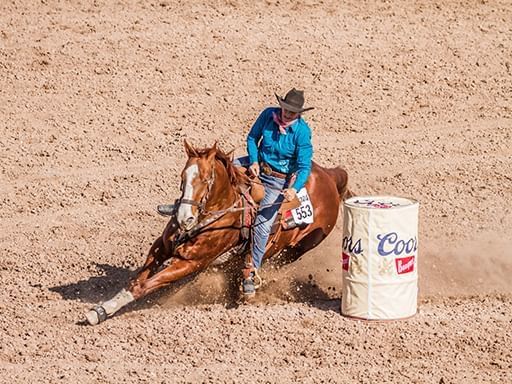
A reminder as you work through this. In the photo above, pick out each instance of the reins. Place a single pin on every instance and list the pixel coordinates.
(201, 205)
(216, 215)
(242, 194)
(230, 210)
(213, 216)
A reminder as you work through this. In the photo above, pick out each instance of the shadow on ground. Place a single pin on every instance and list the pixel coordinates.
(96, 288)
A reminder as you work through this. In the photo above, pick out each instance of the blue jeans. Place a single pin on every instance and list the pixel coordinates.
(266, 215)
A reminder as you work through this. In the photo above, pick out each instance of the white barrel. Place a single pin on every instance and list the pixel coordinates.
(380, 257)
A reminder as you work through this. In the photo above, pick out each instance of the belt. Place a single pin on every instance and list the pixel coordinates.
(265, 168)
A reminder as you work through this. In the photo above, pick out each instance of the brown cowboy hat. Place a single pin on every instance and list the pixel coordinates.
(293, 101)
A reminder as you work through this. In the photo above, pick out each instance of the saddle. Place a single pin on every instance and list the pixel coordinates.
(257, 193)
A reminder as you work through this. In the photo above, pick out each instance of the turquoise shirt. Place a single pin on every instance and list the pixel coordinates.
(290, 153)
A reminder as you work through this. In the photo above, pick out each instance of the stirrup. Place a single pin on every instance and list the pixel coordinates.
(165, 209)
(251, 282)
(248, 287)
(258, 281)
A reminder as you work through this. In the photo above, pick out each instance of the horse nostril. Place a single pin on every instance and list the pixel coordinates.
(189, 220)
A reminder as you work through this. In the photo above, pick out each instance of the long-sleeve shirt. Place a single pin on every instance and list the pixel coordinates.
(290, 153)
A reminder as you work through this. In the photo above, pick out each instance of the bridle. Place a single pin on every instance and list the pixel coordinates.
(209, 217)
(201, 204)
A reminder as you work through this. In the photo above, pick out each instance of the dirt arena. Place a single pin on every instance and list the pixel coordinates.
(413, 98)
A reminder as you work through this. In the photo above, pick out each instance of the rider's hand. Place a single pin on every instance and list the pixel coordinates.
(289, 194)
(255, 169)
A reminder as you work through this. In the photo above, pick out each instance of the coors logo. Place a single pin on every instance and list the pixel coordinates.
(404, 264)
(344, 261)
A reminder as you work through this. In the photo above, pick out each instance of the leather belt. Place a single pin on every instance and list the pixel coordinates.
(265, 168)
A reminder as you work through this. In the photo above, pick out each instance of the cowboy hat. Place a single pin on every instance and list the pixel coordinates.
(293, 101)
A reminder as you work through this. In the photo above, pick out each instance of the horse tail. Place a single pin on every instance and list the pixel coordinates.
(340, 177)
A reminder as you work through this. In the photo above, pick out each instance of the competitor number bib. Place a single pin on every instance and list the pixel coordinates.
(304, 213)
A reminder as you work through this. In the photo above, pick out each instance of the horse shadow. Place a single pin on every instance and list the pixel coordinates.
(96, 288)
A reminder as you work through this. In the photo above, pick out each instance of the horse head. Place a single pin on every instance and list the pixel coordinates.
(197, 179)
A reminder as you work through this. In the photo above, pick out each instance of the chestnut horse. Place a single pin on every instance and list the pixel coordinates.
(209, 221)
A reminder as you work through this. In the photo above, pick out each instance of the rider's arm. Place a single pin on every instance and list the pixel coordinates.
(254, 136)
(304, 157)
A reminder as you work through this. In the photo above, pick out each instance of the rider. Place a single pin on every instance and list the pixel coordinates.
(279, 146)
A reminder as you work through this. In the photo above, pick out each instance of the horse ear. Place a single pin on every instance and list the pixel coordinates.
(189, 149)
(231, 155)
(212, 152)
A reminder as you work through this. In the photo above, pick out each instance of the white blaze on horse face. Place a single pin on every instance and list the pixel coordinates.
(185, 215)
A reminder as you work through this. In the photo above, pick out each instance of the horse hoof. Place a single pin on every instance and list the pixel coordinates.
(96, 315)
(92, 318)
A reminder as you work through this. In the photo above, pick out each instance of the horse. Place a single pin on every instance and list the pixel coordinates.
(209, 222)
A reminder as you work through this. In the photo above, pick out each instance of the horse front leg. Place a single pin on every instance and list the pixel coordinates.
(142, 286)
(156, 257)
(178, 269)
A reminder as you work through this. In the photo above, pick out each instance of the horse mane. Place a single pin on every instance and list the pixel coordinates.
(236, 176)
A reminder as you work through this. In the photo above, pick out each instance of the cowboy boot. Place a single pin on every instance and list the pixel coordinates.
(248, 285)
(165, 209)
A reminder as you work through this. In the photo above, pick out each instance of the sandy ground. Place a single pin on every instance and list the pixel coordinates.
(96, 97)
